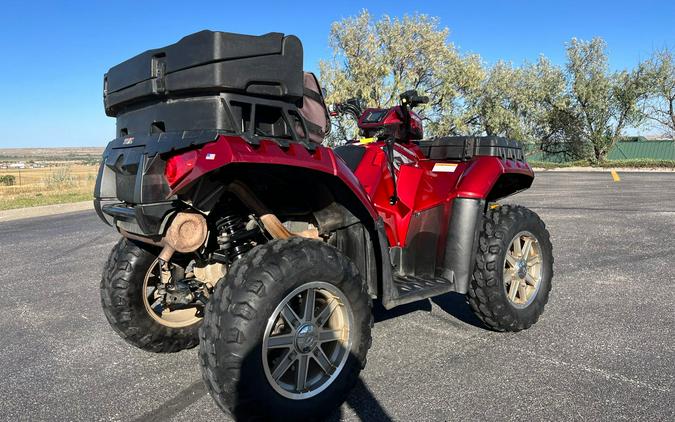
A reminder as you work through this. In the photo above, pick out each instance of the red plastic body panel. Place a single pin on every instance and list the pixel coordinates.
(482, 173)
(419, 187)
(234, 149)
(391, 117)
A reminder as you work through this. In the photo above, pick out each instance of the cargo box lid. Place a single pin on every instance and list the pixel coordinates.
(209, 61)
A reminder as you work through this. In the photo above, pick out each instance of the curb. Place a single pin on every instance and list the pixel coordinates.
(606, 169)
(44, 210)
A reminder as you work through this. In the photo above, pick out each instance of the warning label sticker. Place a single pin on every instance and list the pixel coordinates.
(444, 167)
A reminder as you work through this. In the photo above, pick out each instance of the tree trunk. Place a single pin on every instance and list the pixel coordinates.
(600, 155)
(672, 116)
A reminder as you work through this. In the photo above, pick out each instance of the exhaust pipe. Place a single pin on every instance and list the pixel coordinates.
(271, 222)
(278, 231)
(186, 233)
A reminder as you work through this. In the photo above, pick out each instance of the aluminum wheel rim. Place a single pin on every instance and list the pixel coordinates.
(307, 340)
(175, 319)
(522, 269)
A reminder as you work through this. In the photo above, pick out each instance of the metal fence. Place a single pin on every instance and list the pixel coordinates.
(633, 149)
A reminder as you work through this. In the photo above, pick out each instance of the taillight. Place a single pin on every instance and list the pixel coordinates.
(178, 166)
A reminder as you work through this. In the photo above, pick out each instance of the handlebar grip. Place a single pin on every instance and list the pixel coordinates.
(420, 99)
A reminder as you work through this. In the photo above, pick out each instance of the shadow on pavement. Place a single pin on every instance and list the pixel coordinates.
(381, 314)
(455, 305)
(364, 404)
(360, 399)
(176, 404)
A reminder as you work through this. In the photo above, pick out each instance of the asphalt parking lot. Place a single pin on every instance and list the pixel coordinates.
(603, 350)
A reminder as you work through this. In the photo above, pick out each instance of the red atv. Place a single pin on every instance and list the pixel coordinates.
(243, 234)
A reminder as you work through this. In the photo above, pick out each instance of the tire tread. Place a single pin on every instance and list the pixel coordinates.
(234, 302)
(124, 270)
(486, 296)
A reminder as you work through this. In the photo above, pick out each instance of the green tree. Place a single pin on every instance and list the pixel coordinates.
(580, 110)
(378, 60)
(660, 106)
(8, 180)
(497, 103)
(604, 102)
(555, 126)
(518, 102)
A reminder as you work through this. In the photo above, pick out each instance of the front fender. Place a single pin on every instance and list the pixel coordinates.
(493, 178)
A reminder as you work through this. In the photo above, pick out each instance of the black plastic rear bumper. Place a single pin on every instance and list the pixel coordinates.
(131, 191)
(143, 219)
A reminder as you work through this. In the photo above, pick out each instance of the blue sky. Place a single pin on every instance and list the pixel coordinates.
(53, 54)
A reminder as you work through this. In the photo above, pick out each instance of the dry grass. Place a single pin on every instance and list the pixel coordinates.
(50, 185)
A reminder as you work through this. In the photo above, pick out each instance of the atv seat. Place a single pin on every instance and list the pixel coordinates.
(351, 155)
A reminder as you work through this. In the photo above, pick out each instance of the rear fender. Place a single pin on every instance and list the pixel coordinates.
(296, 184)
(230, 150)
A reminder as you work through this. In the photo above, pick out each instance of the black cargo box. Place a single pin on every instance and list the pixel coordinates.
(460, 148)
(208, 63)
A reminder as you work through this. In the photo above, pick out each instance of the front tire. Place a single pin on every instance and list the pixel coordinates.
(124, 287)
(286, 332)
(513, 271)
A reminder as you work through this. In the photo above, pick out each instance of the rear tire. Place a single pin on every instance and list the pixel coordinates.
(122, 299)
(238, 362)
(508, 293)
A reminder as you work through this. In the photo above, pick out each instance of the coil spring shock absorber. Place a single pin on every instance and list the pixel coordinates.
(234, 238)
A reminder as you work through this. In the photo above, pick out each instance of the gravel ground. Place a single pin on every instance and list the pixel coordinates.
(604, 349)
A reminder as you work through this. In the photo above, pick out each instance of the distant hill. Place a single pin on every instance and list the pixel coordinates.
(84, 154)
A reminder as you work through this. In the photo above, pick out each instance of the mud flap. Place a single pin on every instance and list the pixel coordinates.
(462, 242)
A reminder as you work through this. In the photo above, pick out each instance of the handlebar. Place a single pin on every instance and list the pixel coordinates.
(352, 106)
(411, 99)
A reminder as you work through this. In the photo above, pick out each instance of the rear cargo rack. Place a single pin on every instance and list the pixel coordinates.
(244, 85)
(463, 148)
